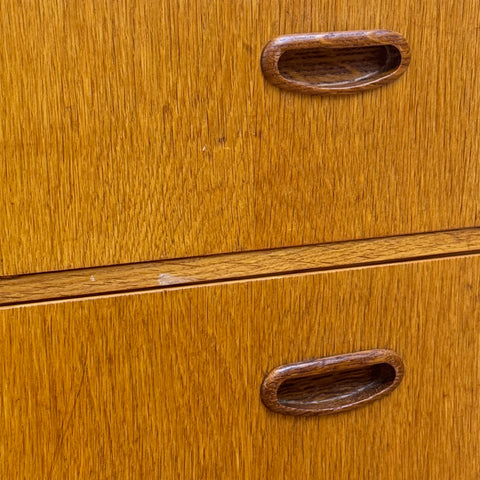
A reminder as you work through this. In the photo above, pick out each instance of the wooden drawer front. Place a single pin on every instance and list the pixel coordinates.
(141, 130)
(167, 385)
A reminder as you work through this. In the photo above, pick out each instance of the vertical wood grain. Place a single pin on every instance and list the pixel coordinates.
(137, 130)
(167, 385)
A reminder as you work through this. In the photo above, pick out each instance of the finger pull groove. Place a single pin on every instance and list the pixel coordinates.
(332, 384)
(335, 63)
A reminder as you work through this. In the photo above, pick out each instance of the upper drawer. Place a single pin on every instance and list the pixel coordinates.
(140, 130)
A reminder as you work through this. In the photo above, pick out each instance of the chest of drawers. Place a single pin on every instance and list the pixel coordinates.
(143, 149)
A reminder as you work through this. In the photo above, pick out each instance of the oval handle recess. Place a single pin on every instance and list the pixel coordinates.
(332, 384)
(336, 62)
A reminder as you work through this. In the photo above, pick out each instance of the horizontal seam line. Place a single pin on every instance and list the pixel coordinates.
(393, 238)
(293, 272)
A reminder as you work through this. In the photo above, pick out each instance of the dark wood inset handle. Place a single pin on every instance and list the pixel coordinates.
(336, 62)
(332, 384)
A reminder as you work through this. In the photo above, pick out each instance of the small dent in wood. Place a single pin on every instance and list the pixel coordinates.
(168, 279)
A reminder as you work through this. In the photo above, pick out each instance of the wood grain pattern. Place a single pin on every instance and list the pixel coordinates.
(139, 130)
(335, 63)
(166, 385)
(330, 385)
(230, 267)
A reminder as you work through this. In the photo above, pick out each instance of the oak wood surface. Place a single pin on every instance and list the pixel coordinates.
(334, 63)
(167, 385)
(138, 130)
(231, 267)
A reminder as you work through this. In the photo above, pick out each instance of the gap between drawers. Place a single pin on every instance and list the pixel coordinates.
(184, 272)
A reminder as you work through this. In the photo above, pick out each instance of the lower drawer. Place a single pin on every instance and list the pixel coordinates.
(167, 384)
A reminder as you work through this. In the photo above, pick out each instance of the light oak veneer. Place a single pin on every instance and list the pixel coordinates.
(144, 130)
(167, 384)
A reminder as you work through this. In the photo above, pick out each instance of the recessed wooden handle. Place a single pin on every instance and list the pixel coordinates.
(336, 62)
(332, 384)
